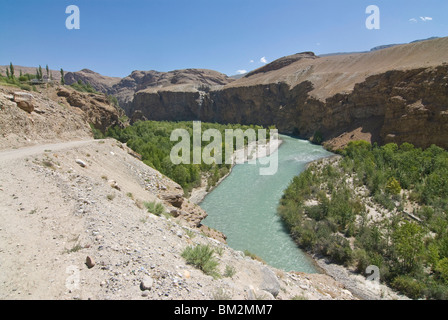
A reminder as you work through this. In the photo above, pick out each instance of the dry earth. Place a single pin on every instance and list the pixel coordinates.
(56, 213)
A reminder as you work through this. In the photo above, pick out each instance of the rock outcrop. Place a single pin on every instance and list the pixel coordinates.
(24, 101)
(97, 81)
(181, 81)
(96, 108)
(54, 113)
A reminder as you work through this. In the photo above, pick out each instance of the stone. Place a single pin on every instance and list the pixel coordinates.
(175, 199)
(24, 101)
(90, 263)
(81, 163)
(175, 213)
(63, 93)
(270, 282)
(146, 283)
(114, 184)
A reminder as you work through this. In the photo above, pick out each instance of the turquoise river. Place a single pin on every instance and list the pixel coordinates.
(244, 207)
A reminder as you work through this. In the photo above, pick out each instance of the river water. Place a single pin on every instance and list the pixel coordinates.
(244, 207)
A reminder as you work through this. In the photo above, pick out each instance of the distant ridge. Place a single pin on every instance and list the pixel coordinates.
(381, 47)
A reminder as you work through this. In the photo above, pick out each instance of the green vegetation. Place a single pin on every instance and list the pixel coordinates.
(253, 256)
(201, 256)
(62, 76)
(97, 134)
(151, 139)
(24, 81)
(229, 272)
(325, 214)
(154, 208)
(83, 87)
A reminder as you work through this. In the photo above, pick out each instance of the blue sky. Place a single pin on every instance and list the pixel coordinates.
(119, 36)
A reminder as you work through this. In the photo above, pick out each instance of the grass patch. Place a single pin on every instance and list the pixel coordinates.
(48, 164)
(229, 272)
(155, 208)
(221, 294)
(190, 233)
(201, 257)
(75, 248)
(249, 254)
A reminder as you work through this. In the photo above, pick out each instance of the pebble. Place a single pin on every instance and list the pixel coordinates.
(81, 163)
(90, 262)
(146, 283)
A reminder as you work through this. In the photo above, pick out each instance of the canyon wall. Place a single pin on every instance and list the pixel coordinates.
(395, 106)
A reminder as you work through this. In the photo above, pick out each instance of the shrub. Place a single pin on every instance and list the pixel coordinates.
(408, 286)
(229, 272)
(202, 258)
(442, 269)
(318, 138)
(155, 208)
(393, 186)
(247, 253)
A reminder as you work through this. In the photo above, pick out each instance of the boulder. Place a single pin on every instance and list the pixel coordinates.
(270, 283)
(63, 92)
(175, 199)
(24, 101)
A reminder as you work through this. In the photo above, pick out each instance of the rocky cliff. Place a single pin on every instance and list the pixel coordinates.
(97, 81)
(53, 113)
(188, 80)
(392, 95)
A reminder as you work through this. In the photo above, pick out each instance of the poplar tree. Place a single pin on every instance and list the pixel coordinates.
(62, 77)
(11, 68)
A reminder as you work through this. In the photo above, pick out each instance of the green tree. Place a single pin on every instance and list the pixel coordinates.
(48, 71)
(393, 186)
(62, 77)
(442, 269)
(11, 68)
(408, 244)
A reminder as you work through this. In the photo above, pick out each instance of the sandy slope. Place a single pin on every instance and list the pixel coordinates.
(340, 73)
(54, 213)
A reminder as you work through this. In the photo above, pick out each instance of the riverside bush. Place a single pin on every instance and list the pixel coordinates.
(412, 256)
(151, 139)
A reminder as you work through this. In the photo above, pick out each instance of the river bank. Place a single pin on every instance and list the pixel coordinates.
(356, 283)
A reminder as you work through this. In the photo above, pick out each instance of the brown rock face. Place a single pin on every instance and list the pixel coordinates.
(179, 80)
(97, 81)
(24, 101)
(96, 109)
